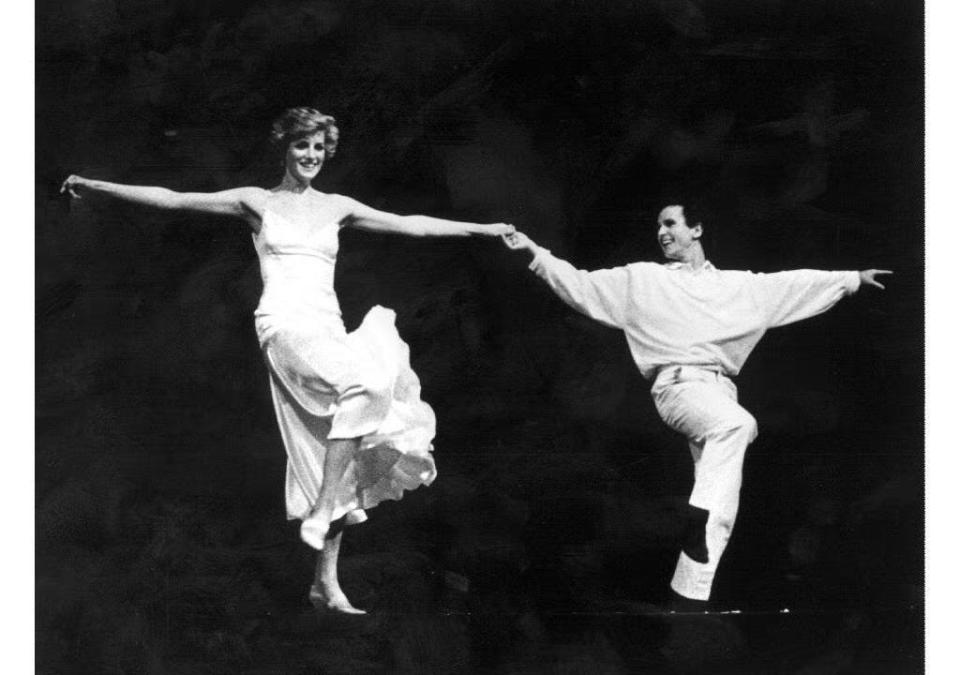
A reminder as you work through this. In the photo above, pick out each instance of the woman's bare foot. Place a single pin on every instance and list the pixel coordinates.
(332, 600)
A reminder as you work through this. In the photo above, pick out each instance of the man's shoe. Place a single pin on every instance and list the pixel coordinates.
(681, 604)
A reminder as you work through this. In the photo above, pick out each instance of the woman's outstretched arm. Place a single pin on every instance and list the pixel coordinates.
(241, 202)
(367, 218)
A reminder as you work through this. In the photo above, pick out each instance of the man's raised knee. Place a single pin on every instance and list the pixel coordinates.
(746, 425)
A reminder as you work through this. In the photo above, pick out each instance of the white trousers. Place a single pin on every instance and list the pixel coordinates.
(702, 405)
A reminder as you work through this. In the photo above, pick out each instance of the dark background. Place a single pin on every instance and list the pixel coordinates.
(547, 542)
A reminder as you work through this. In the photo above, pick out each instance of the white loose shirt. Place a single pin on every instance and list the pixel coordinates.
(674, 315)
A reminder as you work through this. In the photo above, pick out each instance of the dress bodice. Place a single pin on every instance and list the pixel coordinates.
(297, 266)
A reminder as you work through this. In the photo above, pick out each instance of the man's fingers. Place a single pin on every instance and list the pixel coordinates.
(873, 278)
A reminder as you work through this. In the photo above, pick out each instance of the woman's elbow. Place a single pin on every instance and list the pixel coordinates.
(172, 201)
(413, 227)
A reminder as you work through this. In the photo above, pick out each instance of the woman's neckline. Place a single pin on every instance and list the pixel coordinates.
(308, 224)
(279, 189)
(309, 220)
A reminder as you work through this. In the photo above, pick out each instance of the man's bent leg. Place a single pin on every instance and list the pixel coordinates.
(707, 413)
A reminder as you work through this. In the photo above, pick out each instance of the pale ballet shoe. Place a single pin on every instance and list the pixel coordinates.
(313, 531)
(335, 604)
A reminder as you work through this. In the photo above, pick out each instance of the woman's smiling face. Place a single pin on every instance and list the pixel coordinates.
(305, 157)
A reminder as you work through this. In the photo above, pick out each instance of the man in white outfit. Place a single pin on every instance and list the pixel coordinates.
(690, 327)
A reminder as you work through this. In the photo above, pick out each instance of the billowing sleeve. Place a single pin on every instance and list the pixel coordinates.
(785, 297)
(601, 294)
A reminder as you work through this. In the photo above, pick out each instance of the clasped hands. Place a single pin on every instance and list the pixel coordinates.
(513, 238)
(518, 241)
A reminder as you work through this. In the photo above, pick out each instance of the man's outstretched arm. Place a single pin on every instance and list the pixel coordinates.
(786, 297)
(601, 294)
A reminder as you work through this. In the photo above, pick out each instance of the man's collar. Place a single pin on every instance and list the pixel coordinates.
(677, 265)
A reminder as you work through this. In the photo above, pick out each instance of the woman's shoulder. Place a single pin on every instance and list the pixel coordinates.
(341, 207)
(253, 198)
(339, 200)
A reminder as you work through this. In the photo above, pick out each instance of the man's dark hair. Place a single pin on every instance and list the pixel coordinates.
(694, 213)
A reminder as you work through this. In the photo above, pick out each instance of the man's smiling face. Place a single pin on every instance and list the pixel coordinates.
(674, 235)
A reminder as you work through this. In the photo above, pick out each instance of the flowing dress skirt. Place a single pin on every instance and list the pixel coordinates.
(329, 384)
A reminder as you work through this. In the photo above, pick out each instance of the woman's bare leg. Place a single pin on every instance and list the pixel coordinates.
(340, 457)
(326, 594)
(318, 531)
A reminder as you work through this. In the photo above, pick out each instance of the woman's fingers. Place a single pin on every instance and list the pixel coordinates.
(70, 187)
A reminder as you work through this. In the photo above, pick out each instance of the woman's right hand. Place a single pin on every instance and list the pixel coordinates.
(71, 184)
(499, 229)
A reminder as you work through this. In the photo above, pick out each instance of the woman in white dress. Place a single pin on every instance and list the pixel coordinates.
(348, 404)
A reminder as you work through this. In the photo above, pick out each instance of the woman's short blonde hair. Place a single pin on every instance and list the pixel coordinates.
(295, 123)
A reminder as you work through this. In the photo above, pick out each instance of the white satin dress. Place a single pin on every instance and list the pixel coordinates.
(329, 384)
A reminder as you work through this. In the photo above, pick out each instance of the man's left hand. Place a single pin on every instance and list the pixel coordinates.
(869, 277)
